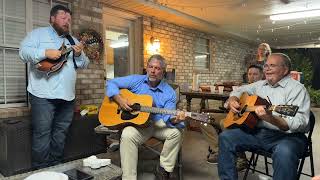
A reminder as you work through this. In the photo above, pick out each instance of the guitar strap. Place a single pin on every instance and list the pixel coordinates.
(70, 39)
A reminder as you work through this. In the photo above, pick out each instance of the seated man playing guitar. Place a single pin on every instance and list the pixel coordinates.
(254, 74)
(281, 135)
(162, 126)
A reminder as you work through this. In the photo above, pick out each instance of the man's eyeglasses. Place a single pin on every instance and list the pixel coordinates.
(271, 66)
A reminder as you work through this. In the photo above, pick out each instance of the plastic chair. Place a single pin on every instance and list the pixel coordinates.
(308, 153)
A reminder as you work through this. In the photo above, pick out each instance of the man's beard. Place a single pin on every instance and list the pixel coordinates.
(60, 30)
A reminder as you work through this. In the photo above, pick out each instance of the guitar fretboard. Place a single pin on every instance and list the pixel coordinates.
(195, 116)
(158, 110)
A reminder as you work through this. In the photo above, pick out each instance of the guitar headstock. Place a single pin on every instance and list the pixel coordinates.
(288, 110)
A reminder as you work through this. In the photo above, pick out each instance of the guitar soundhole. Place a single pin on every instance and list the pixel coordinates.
(126, 115)
(243, 110)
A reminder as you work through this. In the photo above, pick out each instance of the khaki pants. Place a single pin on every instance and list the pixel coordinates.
(132, 137)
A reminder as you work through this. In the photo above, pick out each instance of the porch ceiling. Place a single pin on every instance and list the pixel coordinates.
(244, 19)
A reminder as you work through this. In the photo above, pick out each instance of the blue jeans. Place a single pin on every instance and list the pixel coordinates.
(51, 119)
(286, 150)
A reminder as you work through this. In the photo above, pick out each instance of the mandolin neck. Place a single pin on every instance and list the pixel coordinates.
(65, 51)
(69, 49)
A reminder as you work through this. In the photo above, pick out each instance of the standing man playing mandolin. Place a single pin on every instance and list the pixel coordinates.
(51, 98)
(165, 127)
(282, 136)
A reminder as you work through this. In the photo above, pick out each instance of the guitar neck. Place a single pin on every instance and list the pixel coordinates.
(204, 118)
(253, 108)
(158, 110)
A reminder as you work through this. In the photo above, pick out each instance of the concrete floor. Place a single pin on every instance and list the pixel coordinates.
(194, 153)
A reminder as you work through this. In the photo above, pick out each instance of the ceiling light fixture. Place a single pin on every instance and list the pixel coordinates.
(295, 15)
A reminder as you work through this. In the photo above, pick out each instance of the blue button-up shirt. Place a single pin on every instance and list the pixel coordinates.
(285, 92)
(163, 95)
(60, 85)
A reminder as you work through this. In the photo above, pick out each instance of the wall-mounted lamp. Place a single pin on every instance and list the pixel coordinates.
(154, 45)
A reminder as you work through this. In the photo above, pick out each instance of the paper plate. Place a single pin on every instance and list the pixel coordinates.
(47, 175)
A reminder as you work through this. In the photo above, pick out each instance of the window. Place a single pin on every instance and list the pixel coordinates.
(12, 70)
(14, 25)
(202, 54)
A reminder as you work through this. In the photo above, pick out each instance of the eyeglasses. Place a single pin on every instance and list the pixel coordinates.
(271, 66)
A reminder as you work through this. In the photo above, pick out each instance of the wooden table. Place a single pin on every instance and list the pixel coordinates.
(203, 96)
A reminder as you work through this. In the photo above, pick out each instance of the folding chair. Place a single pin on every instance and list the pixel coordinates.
(308, 153)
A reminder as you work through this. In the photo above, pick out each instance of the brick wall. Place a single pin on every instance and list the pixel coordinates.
(90, 81)
(177, 46)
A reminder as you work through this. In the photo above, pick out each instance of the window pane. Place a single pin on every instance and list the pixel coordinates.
(14, 66)
(15, 72)
(1, 2)
(201, 61)
(202, 54)
(202, 41)
(2, 80)
(203, 49)
(1, 31)
(40, 13)
(15, 31)
(16, 8)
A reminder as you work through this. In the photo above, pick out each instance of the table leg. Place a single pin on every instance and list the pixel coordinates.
(188, 103)
(202, 104)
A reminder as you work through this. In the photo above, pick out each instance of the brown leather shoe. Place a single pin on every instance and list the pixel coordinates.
(160, 173)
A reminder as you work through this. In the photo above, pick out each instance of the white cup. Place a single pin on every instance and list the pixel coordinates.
(220, 89)
(234, 88)
(213, 89)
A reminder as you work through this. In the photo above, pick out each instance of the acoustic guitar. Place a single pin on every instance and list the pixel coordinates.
(247, 117)
(51, 66)
(113, 117)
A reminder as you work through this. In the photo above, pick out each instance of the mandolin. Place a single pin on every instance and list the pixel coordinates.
(247, 117)
(50, 66)
(113, 117)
